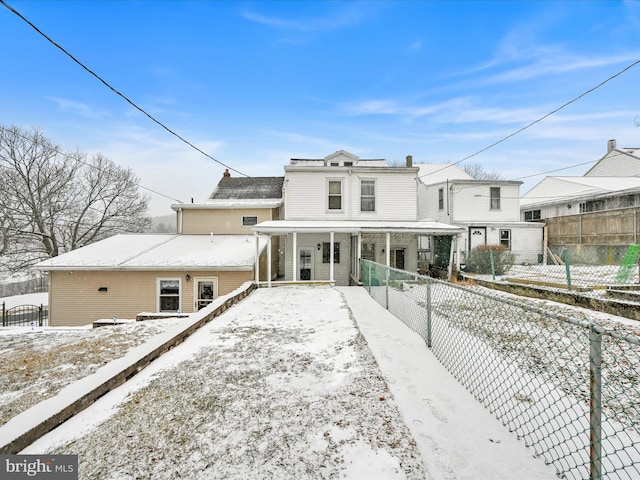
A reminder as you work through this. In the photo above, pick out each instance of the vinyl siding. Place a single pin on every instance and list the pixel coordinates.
(74, 298)
(616, 164)
(223, 221)
(473, 204)
(306, 195)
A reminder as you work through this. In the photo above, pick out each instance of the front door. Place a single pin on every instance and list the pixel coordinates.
(398, 258)
(477, 237)
(306, 263)
(206, 290)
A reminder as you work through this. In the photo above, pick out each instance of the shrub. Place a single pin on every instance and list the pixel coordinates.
(479, 259)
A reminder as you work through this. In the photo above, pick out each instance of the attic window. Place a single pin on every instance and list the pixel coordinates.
(248, 221)
(348, 164)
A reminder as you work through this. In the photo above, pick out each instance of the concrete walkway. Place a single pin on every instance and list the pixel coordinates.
(457, 436)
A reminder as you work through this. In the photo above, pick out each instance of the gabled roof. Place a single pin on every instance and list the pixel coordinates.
(161, 252)
(248, 188)
(562, 189)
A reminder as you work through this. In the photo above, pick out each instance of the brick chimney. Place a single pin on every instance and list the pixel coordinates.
(611, 144)
(409, 161)
(226, 173)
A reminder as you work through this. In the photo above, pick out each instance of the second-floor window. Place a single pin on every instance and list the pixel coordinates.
(335, 195)
(495, 198)
(367, 195)
(441, 199)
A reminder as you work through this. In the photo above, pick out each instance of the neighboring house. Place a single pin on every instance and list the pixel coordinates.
(599, 208)
(125, 275)
(488, 210)
(342, 208)
(212, 254)
(234, 207)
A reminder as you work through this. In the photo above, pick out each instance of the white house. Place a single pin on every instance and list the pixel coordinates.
(488, 210)
(341, 208)
(612, 183)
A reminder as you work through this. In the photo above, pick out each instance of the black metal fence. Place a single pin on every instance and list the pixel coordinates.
(25, 316)
(569, 386)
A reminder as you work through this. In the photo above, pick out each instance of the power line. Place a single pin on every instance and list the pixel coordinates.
(539, 119)
(121, 95)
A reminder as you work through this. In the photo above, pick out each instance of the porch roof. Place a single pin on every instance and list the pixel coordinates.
(355, 226)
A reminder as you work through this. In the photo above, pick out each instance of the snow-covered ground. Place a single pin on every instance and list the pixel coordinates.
(294, 382)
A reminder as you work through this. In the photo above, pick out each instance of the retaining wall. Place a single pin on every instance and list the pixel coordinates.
(28, 426)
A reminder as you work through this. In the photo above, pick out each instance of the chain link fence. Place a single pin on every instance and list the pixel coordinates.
(568, 387)
(568, 267)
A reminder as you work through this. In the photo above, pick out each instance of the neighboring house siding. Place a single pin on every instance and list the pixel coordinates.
(616, 164)
(473, 203)
(222, 221)
(75, 299)
(306, 195)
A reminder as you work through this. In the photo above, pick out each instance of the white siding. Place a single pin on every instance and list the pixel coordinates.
(616, 164)
(306, 195)
(471, 203)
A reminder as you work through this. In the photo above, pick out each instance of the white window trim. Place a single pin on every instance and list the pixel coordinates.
(375, 189)
(342, 197)
(158, 280)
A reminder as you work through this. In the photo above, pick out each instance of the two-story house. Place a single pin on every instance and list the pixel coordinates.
(341, 208)
(213, 252)
(488, 210)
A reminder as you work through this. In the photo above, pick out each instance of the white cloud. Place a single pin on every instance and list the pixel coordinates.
(78, 108)
(347, 15)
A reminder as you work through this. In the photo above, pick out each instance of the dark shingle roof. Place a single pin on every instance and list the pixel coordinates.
(248, 188)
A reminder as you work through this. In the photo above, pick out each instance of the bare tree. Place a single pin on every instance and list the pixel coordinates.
(52, 202)
(478, 172)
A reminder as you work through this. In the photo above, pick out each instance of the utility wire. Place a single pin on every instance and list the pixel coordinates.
(628, 67)
(124, 97)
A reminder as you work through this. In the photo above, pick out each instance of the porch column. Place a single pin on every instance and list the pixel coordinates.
(331, 235)
(388, 250)
(269, 261)
(295, 256)
(257, 267)
(358, 255)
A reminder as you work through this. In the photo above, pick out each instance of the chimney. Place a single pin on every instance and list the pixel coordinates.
(611, 144)
(226, 173)
(409, 161)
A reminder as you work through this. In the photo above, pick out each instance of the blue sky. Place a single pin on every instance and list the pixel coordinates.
(254, 84)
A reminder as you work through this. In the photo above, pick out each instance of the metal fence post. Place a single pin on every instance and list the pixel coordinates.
(40, 315)
(493, 264)
(370, 279)
(4, 318)
(567, 267)
(595, 402)
(428, 314)
(386, 299)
